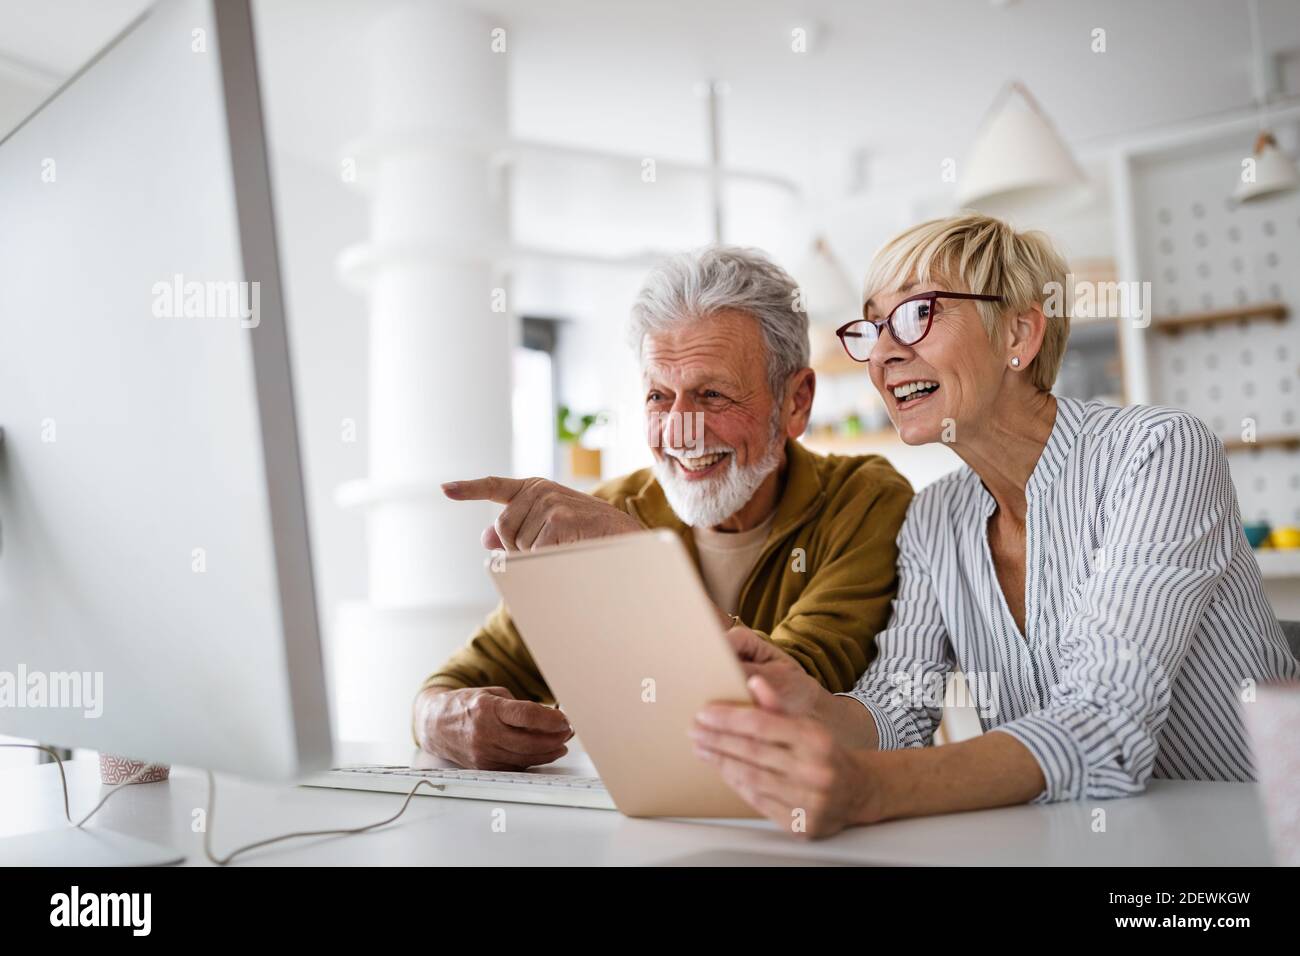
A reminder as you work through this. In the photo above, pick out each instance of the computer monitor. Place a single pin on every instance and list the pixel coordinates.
(156, 593)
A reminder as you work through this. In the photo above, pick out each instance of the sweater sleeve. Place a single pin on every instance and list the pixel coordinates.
(495, 656)
(831, 629)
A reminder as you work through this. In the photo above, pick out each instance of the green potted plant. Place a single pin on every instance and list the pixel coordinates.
(569, 428)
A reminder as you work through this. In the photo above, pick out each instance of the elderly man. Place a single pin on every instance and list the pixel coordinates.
(796, 546)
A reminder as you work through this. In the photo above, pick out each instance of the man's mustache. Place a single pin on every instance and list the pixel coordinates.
(690, 453)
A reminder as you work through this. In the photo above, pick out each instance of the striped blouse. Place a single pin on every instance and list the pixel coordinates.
(1145, 616)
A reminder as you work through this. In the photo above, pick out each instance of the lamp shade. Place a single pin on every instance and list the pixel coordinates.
(1017, 155)
(1273, 172)
(828, 293)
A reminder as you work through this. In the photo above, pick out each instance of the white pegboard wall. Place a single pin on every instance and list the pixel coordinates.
(1201, 251)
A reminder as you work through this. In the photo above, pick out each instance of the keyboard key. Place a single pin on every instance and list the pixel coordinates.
(499, 777)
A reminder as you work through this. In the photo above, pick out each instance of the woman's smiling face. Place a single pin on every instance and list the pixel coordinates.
(957, 369)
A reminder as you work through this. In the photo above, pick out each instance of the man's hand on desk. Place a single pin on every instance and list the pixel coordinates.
(539, 512)
(486, 728)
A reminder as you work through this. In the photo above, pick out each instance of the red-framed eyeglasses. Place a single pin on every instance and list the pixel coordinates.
(908, 323)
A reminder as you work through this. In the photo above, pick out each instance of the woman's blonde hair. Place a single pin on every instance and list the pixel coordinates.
(975, 253)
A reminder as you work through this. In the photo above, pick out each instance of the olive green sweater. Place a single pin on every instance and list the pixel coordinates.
(821, 588)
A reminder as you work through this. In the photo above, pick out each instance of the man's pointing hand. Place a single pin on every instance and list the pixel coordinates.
(539, 512)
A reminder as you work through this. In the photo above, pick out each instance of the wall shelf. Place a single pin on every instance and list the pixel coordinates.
(841, 444)
(1277, 563)
(1174, 324)
(1285, 442)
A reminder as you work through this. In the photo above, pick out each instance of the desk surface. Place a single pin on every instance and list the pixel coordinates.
(1176, 823)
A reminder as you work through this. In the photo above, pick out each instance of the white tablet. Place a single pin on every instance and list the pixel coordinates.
(632, 648)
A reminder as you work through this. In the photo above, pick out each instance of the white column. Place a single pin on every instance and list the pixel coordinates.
(439, 355)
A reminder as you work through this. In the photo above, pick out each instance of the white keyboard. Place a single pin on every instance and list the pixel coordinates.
(535, 786)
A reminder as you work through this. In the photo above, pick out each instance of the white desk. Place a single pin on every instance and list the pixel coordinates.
(1175, 823)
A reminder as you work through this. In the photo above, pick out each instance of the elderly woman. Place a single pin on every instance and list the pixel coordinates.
(1087, 567)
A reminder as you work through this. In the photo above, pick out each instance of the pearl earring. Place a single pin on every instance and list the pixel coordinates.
(1015, 361)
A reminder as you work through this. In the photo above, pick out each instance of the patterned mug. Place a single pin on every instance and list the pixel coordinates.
(115, 770)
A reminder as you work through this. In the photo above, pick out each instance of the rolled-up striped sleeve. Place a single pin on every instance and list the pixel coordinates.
(913, 653)
(1169, 533)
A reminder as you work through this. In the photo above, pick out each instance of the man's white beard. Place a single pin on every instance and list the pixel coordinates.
(707, 503)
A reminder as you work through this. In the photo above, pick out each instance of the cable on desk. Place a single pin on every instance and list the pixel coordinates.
(222, 861)
(212, 806)
(63, 778)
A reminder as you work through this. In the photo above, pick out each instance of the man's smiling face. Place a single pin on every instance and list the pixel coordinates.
(714, 372)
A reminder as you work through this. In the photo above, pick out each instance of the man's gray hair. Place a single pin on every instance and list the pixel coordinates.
(694, 286)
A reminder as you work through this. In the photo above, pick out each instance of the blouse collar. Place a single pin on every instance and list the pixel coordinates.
(1065, 431)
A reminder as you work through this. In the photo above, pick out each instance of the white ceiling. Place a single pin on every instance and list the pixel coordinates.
(906, 80)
